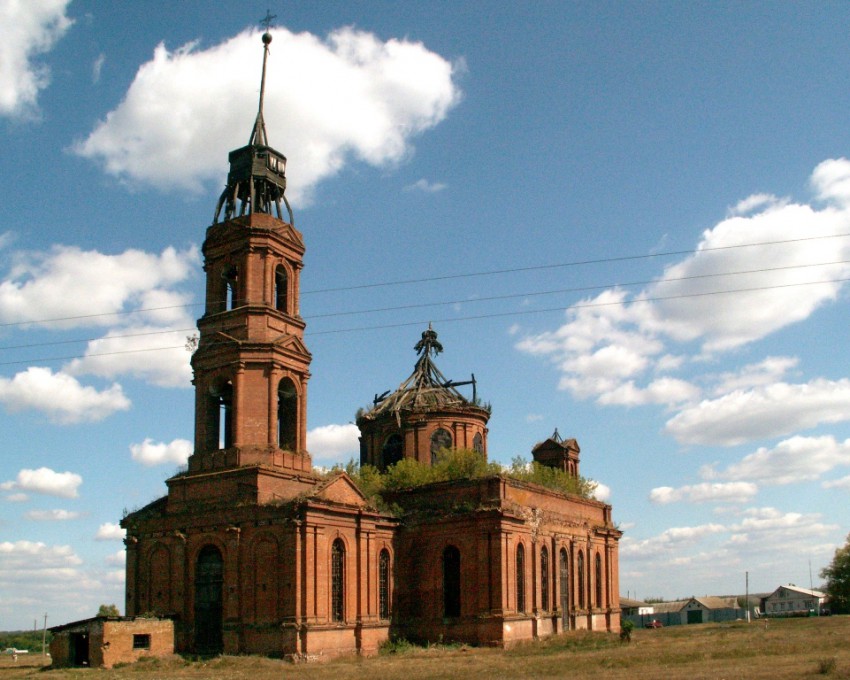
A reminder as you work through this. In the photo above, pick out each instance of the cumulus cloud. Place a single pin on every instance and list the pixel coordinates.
(150, 452)
(602, 492)
(27, 29)
(117, 558)
(843, 483)
(731, 492)
(622, 348)
(110, 532)
(763, 529)
(334, 443)
(671, 542)
(51, 515)
(352, 96)
(793, 460)
(71, 287)
(768, 411)
(46, 481)
(60, 396)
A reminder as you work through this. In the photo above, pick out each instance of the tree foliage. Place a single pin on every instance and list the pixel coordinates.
(456, 464)
(837, 576)
(108, 610)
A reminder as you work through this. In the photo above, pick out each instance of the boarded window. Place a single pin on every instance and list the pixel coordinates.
(564, 577)
(580, 579)
(598, 581)
(338, 581)
(384, 585)
(451, 582)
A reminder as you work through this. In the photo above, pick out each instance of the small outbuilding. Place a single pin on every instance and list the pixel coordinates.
(104, 641)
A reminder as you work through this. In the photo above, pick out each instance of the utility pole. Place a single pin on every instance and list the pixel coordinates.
(747, 577)
(44, 638)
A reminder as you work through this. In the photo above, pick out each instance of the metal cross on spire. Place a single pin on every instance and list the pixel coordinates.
(267, 20)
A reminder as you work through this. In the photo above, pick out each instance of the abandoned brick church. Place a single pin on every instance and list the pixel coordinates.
(251, 551)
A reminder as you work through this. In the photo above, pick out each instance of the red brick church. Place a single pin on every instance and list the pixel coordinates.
(251, 551)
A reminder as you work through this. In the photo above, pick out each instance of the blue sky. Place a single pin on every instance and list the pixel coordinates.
(630, 221)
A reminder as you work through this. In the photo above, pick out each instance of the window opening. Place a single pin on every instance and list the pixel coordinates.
(520, 578)
(281, 297)
(544, 579)
(580, 570)
(384, 585)
(338, 581)
(141, 641)
(231, 278)
(478, 443)
(451, 582)
(565, 586)
(598, 581)
(392, 451)
(223, 397)
(209, 582)
(440, 439)
(287, 415)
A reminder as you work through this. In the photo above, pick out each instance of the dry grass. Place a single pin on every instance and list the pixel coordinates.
(792, 648)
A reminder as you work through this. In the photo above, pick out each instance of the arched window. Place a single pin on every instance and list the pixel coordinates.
(392, 451)
(598, 580)
(209, 580)
(338, 581)
(220, 416)
(287, 415)
(478, 443)
(440, 439)
(520, 578)
(384, 585)
(451, 582)
(231, 278)
(580, 579)
(564, 578)
(281, 290)
(544, 579)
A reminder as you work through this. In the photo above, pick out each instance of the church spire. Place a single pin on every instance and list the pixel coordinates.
(257, 179)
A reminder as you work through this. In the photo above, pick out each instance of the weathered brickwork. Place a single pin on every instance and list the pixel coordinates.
(106, 641)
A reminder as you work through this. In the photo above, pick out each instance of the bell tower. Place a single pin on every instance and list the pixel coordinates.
(251, 365)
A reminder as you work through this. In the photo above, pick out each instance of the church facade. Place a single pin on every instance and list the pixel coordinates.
(252, 551)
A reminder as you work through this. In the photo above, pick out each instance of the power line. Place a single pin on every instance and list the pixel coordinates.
(422, 305)
(493, 272)
(493, 315)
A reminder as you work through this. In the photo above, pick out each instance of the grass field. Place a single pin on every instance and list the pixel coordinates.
(789, 648)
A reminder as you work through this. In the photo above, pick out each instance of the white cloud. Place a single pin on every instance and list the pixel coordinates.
(731, 492)
(793, 460)
(97, 67)
(425, 186)
(533, 418)
(763, 529)
(28, 28)
(51, 515)
(753, 203)
(769, 411)
(117, 558)
(110, 532)
(843, 483)
(71, 287)
(60, 396)
(150, 452)
(668, 543)
(602, 492)
(765, 372)
(334, 443)
(352, 96)
(17, 497)
(46, 481)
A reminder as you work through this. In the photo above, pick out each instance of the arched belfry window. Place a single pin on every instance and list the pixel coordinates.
(451, 582)
(231, 280)
(544, 579)
(520, 578)
(384, 585)
(220, 416)
(580, 579)
(287, 415)
(338, 581)
(598, 579)
(440, 439)
(392, 451)
(281, 289)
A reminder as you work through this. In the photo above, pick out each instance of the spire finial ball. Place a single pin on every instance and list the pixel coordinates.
(267, 38)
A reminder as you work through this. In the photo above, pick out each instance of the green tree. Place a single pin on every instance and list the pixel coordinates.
(837, 576)
(108, 610)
